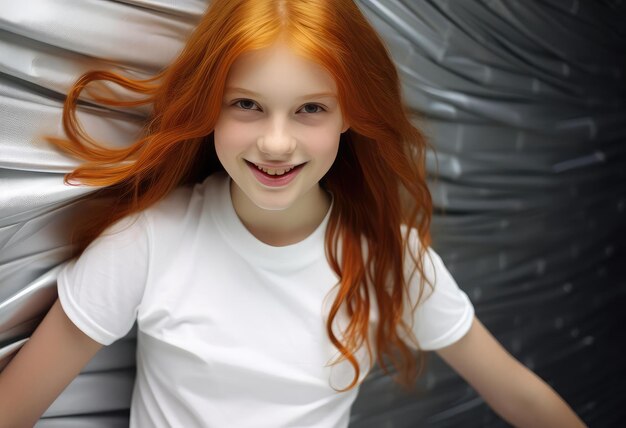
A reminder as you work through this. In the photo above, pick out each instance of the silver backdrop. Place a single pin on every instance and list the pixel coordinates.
(525, 104)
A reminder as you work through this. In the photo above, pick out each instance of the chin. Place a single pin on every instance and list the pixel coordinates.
(271, 206)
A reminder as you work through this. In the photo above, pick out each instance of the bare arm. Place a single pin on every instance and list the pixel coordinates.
(46, 364)
(513, 391)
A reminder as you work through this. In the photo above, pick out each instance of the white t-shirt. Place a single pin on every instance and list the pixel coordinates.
(231, 331)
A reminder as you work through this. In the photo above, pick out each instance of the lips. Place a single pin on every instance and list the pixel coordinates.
(275, 170)
(269, 177)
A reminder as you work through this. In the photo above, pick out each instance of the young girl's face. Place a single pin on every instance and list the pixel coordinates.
(279, 127)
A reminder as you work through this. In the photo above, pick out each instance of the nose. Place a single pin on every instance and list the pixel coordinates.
(277, 143)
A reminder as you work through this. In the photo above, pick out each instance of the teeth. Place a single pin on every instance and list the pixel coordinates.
(274, 171)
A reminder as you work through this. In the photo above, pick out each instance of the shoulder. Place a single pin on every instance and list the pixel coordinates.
(439, 311)
(179, 216)
(414, 249)
(425, 270)
(410, 235)
(185, 203)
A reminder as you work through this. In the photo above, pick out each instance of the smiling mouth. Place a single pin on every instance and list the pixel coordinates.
(274, 171)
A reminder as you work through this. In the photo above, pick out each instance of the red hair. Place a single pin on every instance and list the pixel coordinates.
(378, 179)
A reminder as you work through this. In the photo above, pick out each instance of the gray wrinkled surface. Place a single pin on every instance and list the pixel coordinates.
(525, 104)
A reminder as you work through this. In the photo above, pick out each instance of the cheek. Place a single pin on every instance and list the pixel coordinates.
(323, 143)
(229, 136)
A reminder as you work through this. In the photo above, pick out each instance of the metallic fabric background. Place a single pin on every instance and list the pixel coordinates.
(525, 102)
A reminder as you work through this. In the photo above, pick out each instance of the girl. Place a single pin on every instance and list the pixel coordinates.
(269, 233)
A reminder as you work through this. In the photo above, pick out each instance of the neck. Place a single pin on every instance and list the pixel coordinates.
(282, 227)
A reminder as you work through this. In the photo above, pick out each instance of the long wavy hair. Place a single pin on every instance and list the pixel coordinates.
(378, 179)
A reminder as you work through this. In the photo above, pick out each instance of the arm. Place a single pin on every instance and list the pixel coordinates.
(512, 390)
(46, 364)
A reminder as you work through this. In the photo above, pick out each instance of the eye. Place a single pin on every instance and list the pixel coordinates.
(321, 109)
(242, 105)
(246, 104)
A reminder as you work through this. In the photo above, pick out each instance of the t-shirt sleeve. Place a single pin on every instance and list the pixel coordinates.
(445, 313)
(101, 290)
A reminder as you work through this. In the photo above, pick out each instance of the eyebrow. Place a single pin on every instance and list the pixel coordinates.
(315, 95)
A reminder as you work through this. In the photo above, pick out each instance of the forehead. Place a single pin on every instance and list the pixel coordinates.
(278, 70)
